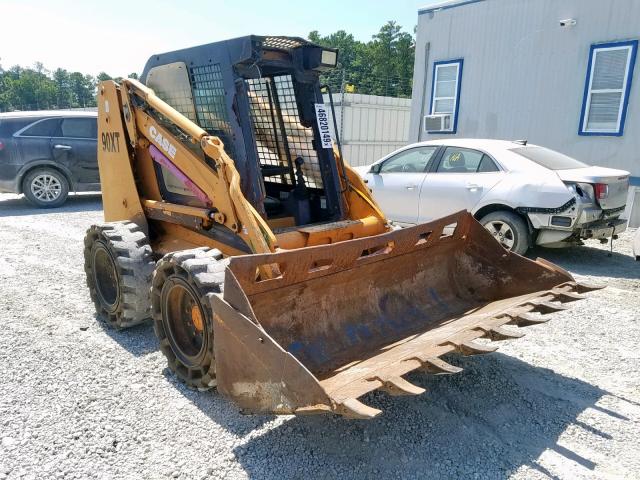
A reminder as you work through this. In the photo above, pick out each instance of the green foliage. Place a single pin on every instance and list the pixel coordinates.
(37, 88)
(382, 66)
(103, 76)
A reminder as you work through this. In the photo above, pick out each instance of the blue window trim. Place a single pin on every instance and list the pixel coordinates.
(627, 90)
(460, 62)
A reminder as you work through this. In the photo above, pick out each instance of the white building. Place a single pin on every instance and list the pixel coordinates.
(562, 74)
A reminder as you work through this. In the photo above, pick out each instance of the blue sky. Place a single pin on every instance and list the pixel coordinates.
(117, 36)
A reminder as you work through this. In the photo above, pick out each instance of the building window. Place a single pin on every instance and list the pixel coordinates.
(445, 94)
(606, 90)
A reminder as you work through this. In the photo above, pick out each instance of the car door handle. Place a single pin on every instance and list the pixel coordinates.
(411, 187)
(473, 186)
(62, 147)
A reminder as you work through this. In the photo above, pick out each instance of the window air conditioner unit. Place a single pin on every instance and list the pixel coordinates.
(438, 123)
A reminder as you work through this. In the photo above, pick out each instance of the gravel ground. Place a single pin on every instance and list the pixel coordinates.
(80, 401)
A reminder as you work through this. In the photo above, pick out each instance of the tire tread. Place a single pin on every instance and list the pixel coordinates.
(204, 269)
(134, 264)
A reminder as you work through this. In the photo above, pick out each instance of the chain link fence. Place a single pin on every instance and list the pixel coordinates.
(343, 81)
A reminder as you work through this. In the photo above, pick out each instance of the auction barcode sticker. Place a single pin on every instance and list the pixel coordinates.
(322, 116)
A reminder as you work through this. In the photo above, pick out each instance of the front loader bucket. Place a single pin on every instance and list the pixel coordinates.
(345, 319)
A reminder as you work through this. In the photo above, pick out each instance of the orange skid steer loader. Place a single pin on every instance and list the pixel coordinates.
(266, 265)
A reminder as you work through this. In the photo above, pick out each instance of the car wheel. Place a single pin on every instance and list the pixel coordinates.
(45, 187)
(509, 229)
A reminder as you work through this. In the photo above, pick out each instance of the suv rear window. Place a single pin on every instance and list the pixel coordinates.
(548, 158)
(45, 128)
(80, 128)
(9, 126)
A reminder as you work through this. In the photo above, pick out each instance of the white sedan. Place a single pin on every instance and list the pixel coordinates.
(523, 194)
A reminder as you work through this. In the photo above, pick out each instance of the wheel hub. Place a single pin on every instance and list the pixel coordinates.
(502, 232)
(46, 188)
(183, 318)
(196, 318)
(105, 277)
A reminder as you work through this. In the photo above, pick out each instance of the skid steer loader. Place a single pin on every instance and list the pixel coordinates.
(264, 261)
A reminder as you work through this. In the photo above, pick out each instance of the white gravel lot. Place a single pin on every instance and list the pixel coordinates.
(80, 401)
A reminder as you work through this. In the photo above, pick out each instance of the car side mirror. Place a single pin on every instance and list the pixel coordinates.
(375, 169)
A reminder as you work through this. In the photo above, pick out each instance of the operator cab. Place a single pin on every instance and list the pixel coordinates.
(261, 96)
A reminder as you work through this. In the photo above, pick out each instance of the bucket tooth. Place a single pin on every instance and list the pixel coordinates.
(472, 348)
(547, 307)
(565, 297)
(498, 333)
(526, 320)
(437, 366)
(352, 408)
(399, 386)
(587, 287)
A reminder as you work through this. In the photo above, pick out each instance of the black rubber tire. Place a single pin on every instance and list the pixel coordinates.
(202, 269)
(522, 239)
(59, 176)
(127, 247)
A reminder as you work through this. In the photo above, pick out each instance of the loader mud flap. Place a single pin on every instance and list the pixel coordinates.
(345, 319)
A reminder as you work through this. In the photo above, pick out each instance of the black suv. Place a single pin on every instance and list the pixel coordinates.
(47, 154)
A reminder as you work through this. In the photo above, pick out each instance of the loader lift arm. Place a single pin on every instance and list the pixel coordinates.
(217, 183)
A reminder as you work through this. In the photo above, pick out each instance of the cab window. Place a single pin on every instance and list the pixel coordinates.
(415, 160)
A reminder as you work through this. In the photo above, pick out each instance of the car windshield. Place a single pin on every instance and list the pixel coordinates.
(548, 158)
